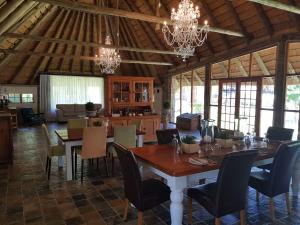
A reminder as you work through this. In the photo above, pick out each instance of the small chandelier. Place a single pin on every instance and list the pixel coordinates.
(108, 59)
(186, 35)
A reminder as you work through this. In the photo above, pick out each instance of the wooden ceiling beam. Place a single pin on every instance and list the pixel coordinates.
(151, 70)
(264, 18)
(88, 44)
(278, 5)
(26, 60)
(8, 8)
(72, 34)
(238, 21)
(6, 58)
(150, 33)
(84, 37)
(294, 17)
(80, 57)
(16, 15)
(88, 8)
(214, 21)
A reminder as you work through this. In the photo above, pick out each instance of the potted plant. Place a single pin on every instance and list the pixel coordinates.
(189, 144)
(166, 114)
(90, 109)
(224, 139)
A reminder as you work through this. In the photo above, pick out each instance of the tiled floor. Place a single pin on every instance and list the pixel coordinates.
(26, 197)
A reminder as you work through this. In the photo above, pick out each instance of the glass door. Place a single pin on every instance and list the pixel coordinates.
(121, 91)
(142, 92)
(238, 99)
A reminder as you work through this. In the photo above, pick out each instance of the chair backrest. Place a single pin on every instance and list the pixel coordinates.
(26, 114)
(282, 167)
(77, 123)
(94, 142)
(280, 134)
(95, 122)
(131, 176)
(125, 135)
(233, 180)
(46, 133)
(137, 123)
(166, 136)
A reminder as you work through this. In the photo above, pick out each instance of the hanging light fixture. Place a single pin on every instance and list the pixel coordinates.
(186, 34)
(108, 59)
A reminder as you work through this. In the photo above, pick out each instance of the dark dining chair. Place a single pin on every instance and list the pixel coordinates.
(277, 181)
(166, 136)
(143, 194)
(228, 194)
(30, 118)
(277, 134)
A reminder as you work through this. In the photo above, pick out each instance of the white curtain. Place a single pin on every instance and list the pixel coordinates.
(71, 90)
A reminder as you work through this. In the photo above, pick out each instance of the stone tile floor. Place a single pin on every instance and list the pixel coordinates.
(26, 196)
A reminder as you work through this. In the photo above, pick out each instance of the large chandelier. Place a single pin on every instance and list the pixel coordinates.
(108, 59)
(186, 34)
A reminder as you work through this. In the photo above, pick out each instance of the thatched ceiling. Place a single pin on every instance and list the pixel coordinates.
(35, 35)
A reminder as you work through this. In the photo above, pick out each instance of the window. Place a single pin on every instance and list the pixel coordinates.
(187, 93)
(14, 98)
(27, 98)
(267, 101)
(75, 89)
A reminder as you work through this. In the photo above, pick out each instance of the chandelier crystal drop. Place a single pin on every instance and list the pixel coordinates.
(186, 35)
(108, 59)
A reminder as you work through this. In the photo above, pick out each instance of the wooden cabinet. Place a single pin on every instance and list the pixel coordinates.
(128, 92)
(149, 126)
(6, 146)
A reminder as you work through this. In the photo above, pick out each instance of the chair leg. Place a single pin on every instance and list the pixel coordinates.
(217, 221)
(49, 168)
(73, 171)
(112, 165)
(140, 218)
(82, 164)
(190, 211)
(126, 209)
(242, 217)
(105, 164)
(272, 212)
(287, 200)
(47, 161)
(75, 165)
(257, 196)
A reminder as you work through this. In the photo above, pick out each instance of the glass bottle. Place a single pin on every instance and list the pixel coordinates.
(175, 144)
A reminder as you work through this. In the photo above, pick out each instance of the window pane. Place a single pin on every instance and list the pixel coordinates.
(214, 92)
(198, 90)
(27, 98)
(14, 98)
(214, 114)
(293, 61)
(175, 98)
(292, 100)
(264, 62)
(186, 98)
(267, 93)
(291, 121)
(266, 120)
(239, 66)
(219, 70)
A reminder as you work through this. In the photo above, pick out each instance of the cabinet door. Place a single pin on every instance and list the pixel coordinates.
(5, 141)
(121, 92)
(142, 92)
(115, 123)
(149, 126)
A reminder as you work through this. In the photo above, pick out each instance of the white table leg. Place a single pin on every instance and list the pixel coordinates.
(176, 184)
(296, 177)
(68, 148)
(140, 140)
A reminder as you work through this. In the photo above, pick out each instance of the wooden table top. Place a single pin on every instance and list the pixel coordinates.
(164, 158)
(66, 135)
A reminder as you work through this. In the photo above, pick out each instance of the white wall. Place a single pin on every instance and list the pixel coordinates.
(22, 89)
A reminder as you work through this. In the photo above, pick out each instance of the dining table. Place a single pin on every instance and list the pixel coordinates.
(179, 172)
(73, 137)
